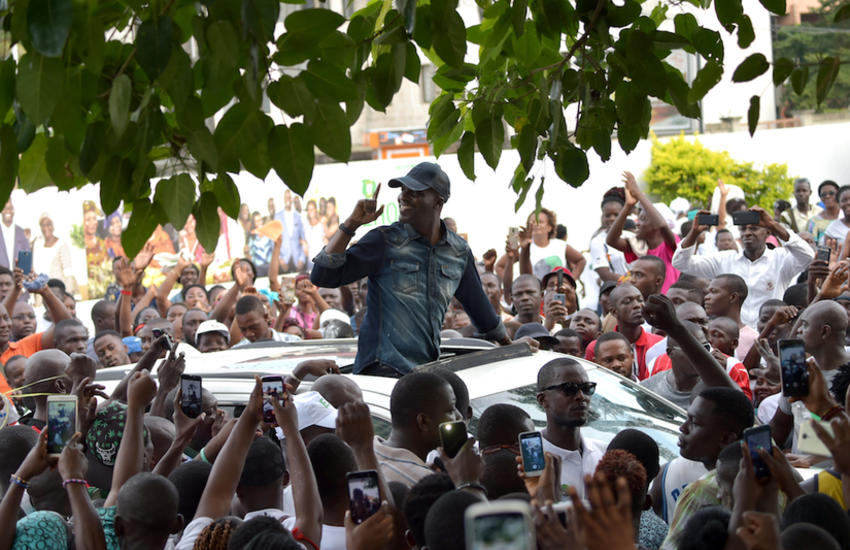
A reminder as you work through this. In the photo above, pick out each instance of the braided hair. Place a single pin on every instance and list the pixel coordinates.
(216, 535)
(615, 194)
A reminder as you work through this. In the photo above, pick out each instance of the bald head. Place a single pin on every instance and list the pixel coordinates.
(528, 279)
(827, 312)
(621, 291)
(45, 373)
(337, 389)
(149, 501)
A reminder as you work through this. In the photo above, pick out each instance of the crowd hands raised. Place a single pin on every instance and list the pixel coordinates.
(692, 309)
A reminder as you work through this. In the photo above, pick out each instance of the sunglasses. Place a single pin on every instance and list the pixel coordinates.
(571, 388)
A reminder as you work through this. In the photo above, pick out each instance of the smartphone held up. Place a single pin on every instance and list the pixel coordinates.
(61, 422)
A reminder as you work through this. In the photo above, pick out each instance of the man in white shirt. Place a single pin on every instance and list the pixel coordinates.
(564, 391)
(767, 272)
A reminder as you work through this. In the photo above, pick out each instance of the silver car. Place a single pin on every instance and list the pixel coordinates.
(492, 374)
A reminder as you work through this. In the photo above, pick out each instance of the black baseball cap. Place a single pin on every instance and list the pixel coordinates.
(425, 175)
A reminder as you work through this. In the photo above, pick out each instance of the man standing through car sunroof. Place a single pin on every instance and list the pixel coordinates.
(415, 266)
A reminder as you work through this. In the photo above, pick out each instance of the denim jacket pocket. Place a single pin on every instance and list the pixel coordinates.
(405, 276)
(450, 278)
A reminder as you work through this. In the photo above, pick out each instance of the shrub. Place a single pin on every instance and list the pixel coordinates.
(683, 168)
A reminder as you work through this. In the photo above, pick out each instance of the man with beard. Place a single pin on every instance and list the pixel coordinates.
(564, 392)
(627, 304)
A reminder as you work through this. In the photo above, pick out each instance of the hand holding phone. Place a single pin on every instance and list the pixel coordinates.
(452, 437)
(513, 238)
(25, 261)
(747, 217)
(61, 422)
(758, 437)
(708, 219)
(272, 387)
(560, 298)
(191, 395)
(792, 368)
(364, 494)
(531, 450)
(499, 524)
(823, 254)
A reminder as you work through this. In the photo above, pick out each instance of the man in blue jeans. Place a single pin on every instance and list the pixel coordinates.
(414, 267)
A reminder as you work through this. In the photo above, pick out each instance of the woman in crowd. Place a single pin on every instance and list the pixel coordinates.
(51, 255)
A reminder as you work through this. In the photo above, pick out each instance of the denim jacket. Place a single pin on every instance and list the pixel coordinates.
(411, 284)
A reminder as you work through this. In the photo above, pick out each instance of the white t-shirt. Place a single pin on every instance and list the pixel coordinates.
(602, 255)
(575, 464)
(675, 476)
(192, 532)
(545, 258)
(837, 230)
(276, 337)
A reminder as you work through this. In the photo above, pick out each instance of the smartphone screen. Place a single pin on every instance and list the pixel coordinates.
(453, 436)
(793, 369)
(502, 531)
(288, 290)
(823, 254)
(558, 297)
(25, 261)
(531, 448)
(272, 386)
(513, 238)
(364, 495)
(758, 438)
(190, 387)
(61, 423)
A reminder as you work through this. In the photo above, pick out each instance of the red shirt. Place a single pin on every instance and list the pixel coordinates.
(645, 341)
(734, 368)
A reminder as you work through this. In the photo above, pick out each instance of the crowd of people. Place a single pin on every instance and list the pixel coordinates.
(692, 312)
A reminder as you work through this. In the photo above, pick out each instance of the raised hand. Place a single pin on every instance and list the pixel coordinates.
(72, 461)
(315, 367)
(285, 413)
(143, 258)
(466, 466)
(524, 237)
(365, 211)
(36, 460)
(243, 276)
(125, 275)
(836, 282)
(169, 371)
(206, 260)
(632, 189)
(375, 532)
(697, 229)
(608, 522)
(760, 531)
(86, 394)
(354, 425)
(489, 260)
(184, 426)
(141, 389)
(724, 190)
(659, 312)
(546, 486)
(767, 354)
(838, 442)
(819, 400)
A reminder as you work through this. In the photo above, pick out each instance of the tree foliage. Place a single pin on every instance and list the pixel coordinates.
(684, 168)
(106, 90)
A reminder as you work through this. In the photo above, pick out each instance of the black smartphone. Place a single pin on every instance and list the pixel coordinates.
(758, 437)
(364, 494)
(453, 436)
(25, 261)
(824, 254)
(190, 388)
(793, 369)
(531, 450)
(157, 332)
(61, 422)
(708, 219)
(272, 387)
(747, 217)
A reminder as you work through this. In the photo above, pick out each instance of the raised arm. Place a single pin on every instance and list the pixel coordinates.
(125, 276)
(721, 209)
(653, 216)
(162, 301)
(274, 265)
(575, 260)
(354, 426)
(35, 462)
(57, 310)
(16, 291)
(365, 211)
(476, 304)
(228, 301)
(206, 261)
(305, 490)
(221, 485)
(146, 362)
(659, 312)
(614, 237)
(130, 456)
(184, 428)
(88, 531)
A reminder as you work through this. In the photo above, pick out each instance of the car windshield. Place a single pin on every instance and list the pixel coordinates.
(615, 406)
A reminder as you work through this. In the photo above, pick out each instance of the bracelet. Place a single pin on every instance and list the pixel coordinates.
(346, 230)
(72, 480)
(476, 486)
(203, 456)
(832, 412)
(19, 481)
(126, 292)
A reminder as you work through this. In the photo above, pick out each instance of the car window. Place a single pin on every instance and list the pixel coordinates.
(616, 405)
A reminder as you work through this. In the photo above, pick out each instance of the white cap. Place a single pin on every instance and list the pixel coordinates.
(680, 205)
(212, 326)
(313, 410)
(330, 314)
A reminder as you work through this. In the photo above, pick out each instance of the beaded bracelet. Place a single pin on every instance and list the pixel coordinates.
(203, 456)
(126, 292)
(19, 481)
(832, 412)
(74, 480)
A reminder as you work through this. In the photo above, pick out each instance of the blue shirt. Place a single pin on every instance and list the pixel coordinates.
(411, 284)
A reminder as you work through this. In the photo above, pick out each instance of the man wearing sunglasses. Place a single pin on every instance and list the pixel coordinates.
(564, 392)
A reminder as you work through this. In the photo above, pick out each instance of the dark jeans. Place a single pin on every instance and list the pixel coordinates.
(379, 369)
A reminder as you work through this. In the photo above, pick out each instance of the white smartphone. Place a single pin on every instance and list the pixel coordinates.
(499, 525)
(61, 422)
(531, 450)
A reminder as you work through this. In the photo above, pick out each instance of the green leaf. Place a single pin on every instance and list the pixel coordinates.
(455, 79)
(33, 175)
(143, 222)
(24, 128)
(490, 134)
(330, 130)
(728, 11)
(753, 114)
(706, 79)
(117, 177)
(256, 159)
(571, 166)
(206, 215)
(291, 95)
(646, 70)
(527, 47)
(466, 155)
(315, 22)
(685, 24)
(631, 102)
(49, 23)
(119, 104)
(827, 73)
(328, 81)
(176, 197)
(842, 13)
(227, 195)
(746, 34)
(527, 146)
(628, 136)
(58, 162)
(708, 43)
(449, 27)
(443, 116)
(519, 12)
(521, 185)
(153, 45)
(177, 78)
(774, 6)
(239, 129)
(224, 44)
(413, 65)
(621, 16)
(8, 161)
(259, 18)
(39, 85)
(753, 66)
(408, 10)
(291, 151)
(388, 73)
(92, 146)
(799, 78)
(782, 68)
(202, 146)
(7, 87)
